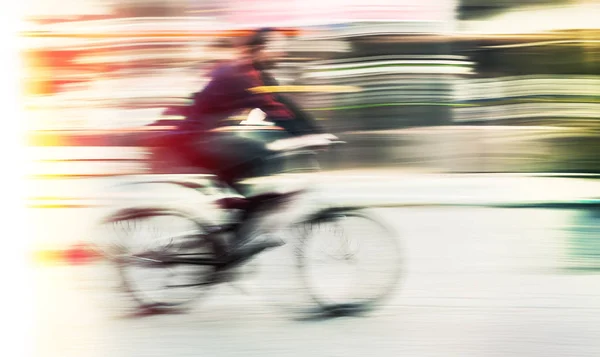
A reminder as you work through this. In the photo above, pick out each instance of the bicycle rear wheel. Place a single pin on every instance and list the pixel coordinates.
(144, 252)
(350, 262)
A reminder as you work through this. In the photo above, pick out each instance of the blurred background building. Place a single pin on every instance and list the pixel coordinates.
(444, 85)
(439, 88)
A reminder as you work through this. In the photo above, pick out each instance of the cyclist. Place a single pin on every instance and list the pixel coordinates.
(228, 92)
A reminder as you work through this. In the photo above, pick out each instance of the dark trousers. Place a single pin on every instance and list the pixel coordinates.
(234, 158)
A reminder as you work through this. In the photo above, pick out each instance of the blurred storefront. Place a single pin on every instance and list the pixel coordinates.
(535, 66)
(415, 65)
(347, 43)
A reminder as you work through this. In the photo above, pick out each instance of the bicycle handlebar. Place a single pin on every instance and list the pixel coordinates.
(303, 143)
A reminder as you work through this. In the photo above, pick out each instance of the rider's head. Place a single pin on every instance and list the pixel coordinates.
(265, 47)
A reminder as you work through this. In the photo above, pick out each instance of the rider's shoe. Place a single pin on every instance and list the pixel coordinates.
(251, 247)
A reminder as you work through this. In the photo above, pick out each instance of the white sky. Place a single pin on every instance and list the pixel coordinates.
(65, 7)
(582, 15)
(75, 7)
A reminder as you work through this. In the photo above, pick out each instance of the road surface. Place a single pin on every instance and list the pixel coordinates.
(479, 282)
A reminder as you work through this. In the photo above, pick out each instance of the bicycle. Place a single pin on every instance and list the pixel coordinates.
(196, 252)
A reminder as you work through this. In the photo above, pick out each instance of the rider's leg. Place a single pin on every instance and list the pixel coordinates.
(242, 158)
(237, 158)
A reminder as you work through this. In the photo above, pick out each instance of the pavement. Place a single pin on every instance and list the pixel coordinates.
(373, 187)
(477, 282)
(66, 210)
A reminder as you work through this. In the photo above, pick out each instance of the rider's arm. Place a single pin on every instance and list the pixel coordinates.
(307, 121)
(276, 111)
(264, 101)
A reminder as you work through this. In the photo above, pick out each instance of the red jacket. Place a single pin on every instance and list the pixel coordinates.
(228, 93)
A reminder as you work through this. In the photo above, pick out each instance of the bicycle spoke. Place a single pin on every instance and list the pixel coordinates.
(169, 261)
(350, 259)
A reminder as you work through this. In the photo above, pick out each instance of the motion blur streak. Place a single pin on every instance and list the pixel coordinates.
(20, 317)
(472, 129)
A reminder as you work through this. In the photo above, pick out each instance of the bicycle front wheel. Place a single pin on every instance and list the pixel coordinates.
(349, 261)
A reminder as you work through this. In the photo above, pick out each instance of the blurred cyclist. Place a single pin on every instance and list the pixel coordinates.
(231, 156)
